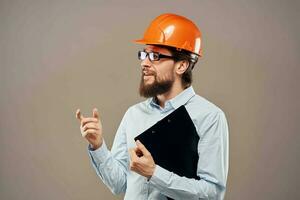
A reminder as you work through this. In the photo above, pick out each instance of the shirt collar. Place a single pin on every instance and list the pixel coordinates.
(181, 99)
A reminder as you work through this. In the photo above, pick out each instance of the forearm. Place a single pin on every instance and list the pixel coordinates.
(178, 187)
(110, 170)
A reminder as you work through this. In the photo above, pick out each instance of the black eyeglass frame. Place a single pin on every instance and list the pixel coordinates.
(151, 56)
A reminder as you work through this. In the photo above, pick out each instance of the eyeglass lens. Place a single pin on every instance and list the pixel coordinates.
(152, 56)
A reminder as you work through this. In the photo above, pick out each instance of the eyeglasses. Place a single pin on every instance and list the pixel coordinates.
(153, 56)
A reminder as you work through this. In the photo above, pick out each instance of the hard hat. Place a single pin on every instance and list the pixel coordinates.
(175, 31)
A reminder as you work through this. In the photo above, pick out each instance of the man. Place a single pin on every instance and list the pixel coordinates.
(172, 47)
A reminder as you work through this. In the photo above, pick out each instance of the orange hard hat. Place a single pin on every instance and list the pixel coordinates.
(175, 31)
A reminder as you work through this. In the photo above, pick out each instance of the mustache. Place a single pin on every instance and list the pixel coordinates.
(148, 72)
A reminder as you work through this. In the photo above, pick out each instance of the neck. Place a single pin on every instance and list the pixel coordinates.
(176, 89)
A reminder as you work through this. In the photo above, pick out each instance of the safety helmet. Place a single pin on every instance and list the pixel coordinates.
(174, 31)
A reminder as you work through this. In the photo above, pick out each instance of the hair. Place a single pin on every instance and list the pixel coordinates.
(180, 55)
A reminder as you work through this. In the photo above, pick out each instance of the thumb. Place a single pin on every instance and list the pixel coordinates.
(95, 113)
(142, 148)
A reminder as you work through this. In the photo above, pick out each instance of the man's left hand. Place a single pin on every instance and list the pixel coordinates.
(141, 160)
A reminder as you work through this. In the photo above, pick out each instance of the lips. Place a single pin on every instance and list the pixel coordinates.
(147, 75)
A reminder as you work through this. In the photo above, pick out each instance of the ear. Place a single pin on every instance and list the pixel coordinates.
(181, 66)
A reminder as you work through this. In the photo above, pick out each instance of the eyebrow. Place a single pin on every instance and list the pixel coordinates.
(150, 51)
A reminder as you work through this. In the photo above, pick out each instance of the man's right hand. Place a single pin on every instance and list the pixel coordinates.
(91, 128)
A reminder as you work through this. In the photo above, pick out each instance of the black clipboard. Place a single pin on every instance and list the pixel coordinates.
(173, 143)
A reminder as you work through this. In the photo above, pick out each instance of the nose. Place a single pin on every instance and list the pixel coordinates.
(146, 62)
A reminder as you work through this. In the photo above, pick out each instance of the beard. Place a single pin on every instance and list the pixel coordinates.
(157, 87)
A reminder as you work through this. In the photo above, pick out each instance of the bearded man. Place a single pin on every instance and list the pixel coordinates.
(172, 45)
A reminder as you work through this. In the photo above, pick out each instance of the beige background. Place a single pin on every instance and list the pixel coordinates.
(57, 56)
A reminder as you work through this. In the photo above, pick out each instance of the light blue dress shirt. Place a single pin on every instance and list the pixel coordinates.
(211, 125)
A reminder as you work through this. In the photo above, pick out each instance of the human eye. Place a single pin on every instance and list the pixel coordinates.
(155, 56)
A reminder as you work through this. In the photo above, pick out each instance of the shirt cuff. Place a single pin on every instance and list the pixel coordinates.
(161, 177)
(99, 155)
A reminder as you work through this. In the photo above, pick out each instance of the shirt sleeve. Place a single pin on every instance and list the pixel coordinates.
(212, 166)
(112, 166)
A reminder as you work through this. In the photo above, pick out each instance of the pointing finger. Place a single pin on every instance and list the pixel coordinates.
(78, 115)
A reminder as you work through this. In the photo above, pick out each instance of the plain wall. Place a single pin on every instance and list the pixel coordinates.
(57, 56)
